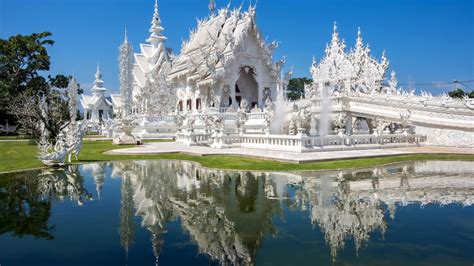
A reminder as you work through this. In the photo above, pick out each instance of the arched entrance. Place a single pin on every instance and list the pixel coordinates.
(246, 86)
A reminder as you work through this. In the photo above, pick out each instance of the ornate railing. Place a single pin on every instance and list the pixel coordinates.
(191, 138)
(303, 142)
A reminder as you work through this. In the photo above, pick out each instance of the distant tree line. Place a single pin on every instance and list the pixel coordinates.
(296, 88)
(460, 93)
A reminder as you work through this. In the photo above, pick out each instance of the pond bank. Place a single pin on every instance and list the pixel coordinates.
(17, 156)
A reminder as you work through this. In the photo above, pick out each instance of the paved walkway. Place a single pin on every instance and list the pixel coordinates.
(173, 147)
(433, 149)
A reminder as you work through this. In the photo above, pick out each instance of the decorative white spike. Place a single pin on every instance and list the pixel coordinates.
(156, 36)
(126, 35)
(98, 74)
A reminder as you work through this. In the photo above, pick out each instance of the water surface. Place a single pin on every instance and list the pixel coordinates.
(177, 213)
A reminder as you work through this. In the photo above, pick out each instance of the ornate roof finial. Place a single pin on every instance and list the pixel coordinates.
(156, 29)
(212, 7)
(98, 82)
(98, 75)
(126, 35)
(359, 41)
(335, 34)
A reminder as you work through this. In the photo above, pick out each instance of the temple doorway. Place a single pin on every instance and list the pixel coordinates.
(246, 86)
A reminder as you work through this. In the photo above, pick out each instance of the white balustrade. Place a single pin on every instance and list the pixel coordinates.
(311, 143)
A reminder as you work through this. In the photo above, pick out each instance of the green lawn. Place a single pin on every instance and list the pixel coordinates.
(21, 155)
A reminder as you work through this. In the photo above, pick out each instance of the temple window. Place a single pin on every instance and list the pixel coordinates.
(198, 104)
(189, 104)
(180, 106)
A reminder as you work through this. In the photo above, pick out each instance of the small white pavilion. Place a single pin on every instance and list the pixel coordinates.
(98, 107)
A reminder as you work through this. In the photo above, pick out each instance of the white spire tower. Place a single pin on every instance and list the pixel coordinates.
(151, 67)
(126, 75)
(156, 37)
(157, 40)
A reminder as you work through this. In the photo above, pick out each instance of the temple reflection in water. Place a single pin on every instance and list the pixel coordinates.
(229, 214)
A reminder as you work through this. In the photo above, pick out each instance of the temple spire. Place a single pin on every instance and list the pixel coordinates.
(126, 75)
(156, 36)
(98, 77)
(359, 47)
(125, 40)
(98, 87)
(335, 34)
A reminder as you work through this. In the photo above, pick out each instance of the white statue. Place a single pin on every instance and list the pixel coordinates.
(69, 140)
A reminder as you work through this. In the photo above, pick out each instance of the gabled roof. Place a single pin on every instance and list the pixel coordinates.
(220, 33)
(88, 102)
(116, 100)
(153, 55)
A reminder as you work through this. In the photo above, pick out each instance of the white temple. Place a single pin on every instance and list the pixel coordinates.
(98, 107)
(224, 90)
(225, 62)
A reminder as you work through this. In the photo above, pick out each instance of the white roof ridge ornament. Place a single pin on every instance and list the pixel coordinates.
(156, 29)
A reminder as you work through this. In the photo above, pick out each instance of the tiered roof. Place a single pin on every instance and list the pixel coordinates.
(211, 45)
(153, 55)
(98, 93)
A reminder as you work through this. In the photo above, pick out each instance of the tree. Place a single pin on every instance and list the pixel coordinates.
(457, 93)
(24, 211)
(26, 107)
(22, 57)
(460, 93)
(296, 87)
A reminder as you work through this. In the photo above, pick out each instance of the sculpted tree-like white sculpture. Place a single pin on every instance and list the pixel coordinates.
(393, 83)
(75, 130)
(369, 74)
(69, 140)
(335, 70)
(126, 76)
(344, 73)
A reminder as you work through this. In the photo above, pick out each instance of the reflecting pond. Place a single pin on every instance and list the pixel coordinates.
(177, 213)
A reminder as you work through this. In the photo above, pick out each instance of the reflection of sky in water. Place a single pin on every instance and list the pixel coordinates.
(177, 213)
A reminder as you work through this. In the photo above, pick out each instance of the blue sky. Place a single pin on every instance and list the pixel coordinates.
(426, 41)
